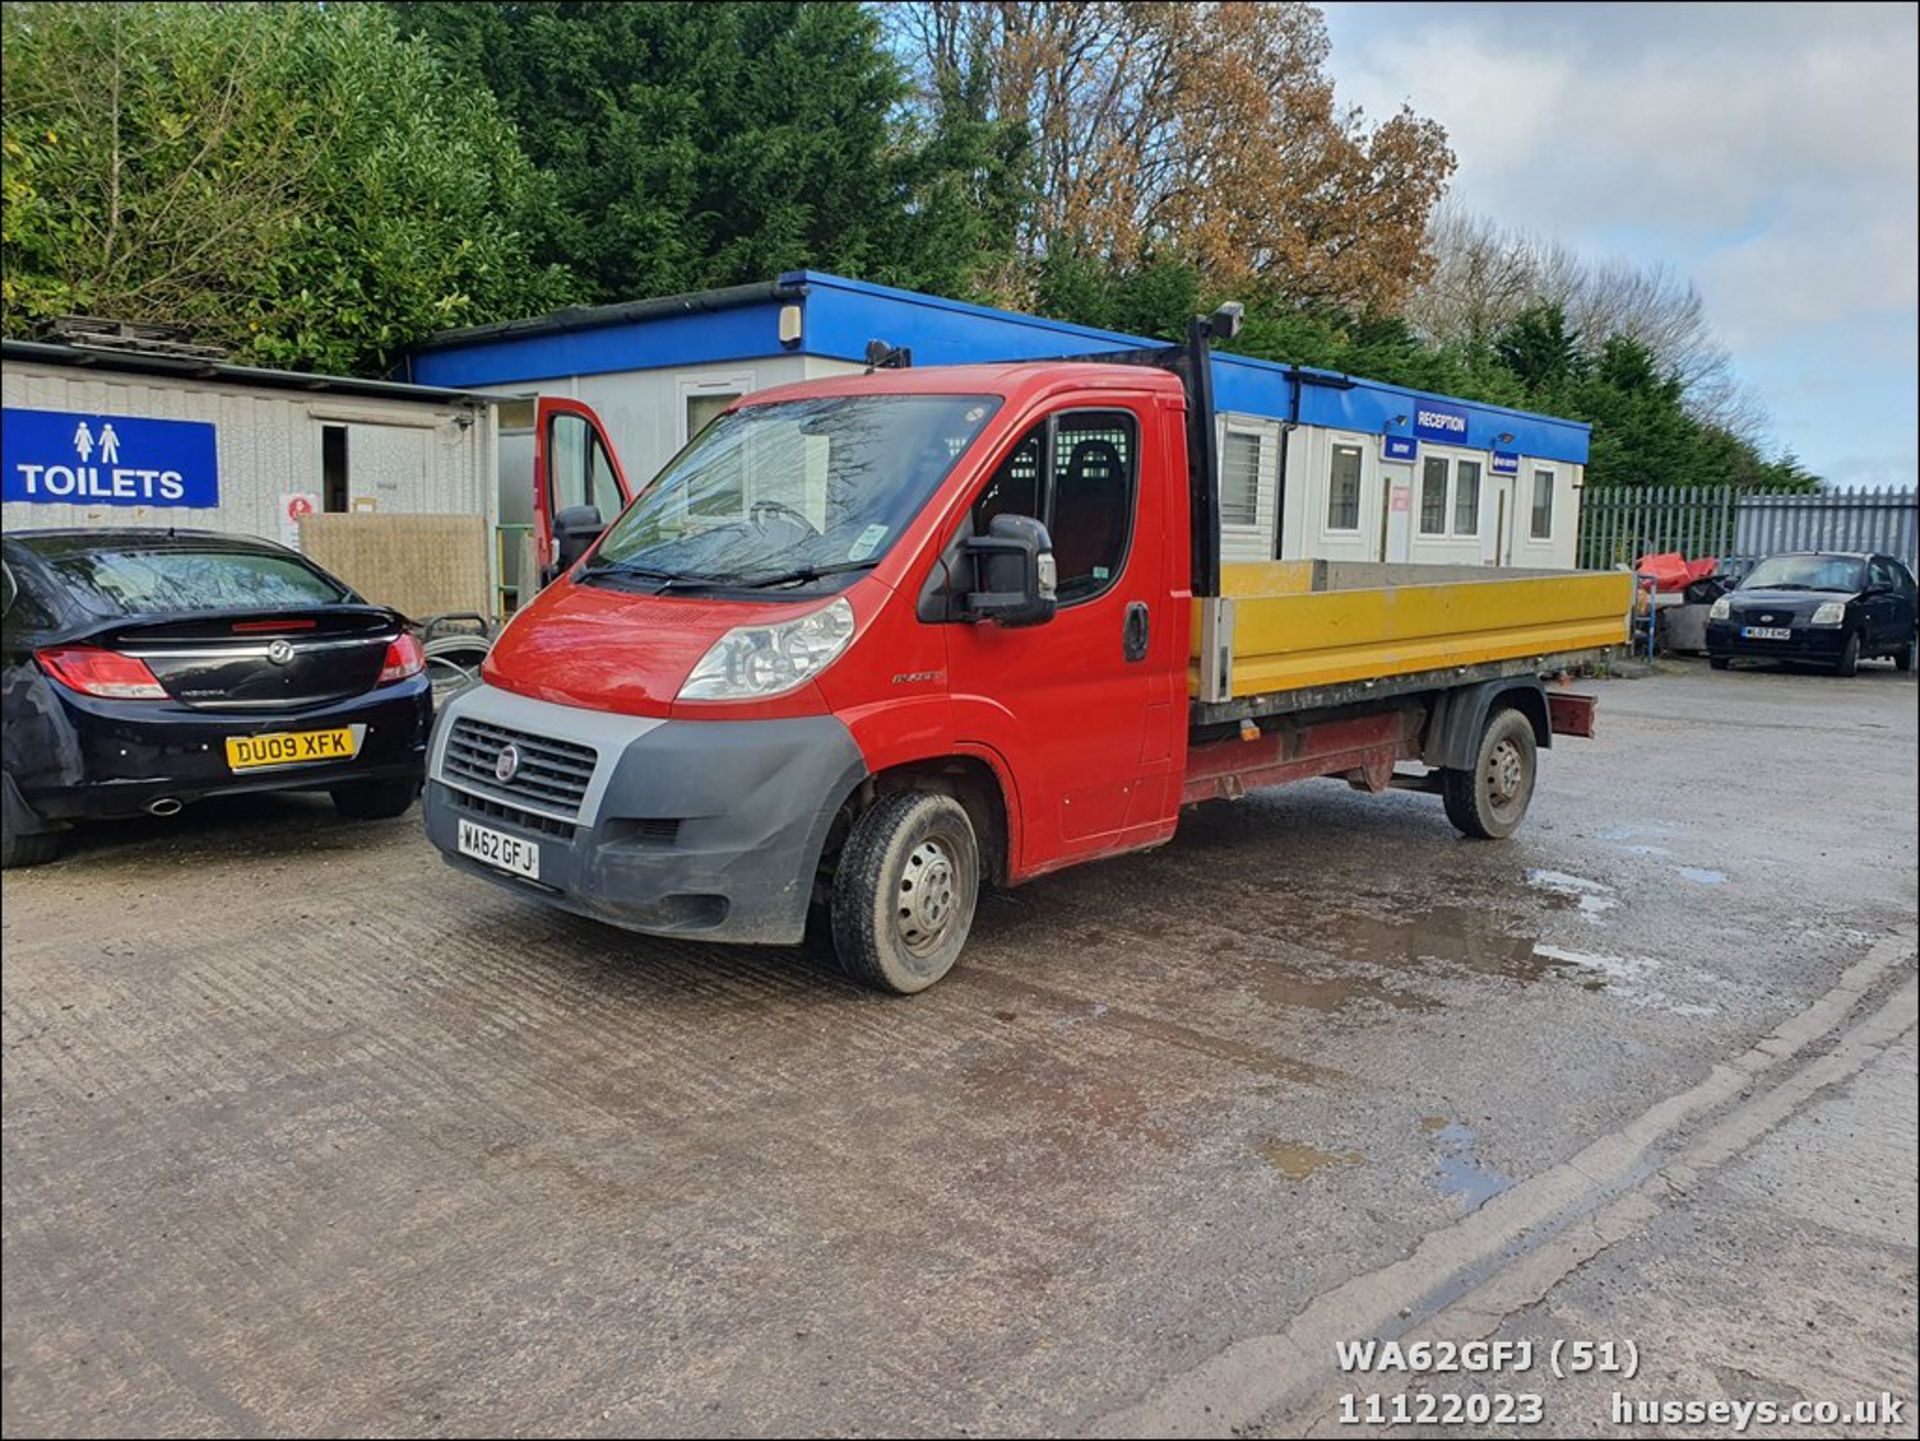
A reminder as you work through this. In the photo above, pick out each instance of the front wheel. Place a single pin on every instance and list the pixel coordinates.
(904, 894)
(1850, 656)
(1905, 657)
(1489, 801)
(1719, 662)
(374, 800)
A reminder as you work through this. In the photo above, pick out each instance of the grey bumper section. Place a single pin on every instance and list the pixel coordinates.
(697, 828)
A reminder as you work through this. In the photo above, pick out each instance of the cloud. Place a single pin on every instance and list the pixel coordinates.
(1769, 152)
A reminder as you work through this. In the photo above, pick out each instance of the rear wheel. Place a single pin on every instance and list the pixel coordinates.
(20, 847)
(374, 800)
(33, 850)
(1489, 801)
(905, 891)
(1850, 656)
(1719, 662)
(1905, 657)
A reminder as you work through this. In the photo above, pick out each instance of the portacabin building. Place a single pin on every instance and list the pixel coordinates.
(1313, 464)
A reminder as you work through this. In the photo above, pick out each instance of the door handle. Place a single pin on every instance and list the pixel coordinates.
(1136, 631)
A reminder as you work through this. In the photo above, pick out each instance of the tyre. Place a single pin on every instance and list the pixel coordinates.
(374, 800)
(1489, 802)
(24, 848)
(905, 891)
(1850, 656)
(1719, 662)
(29, 850)
(1905, 657)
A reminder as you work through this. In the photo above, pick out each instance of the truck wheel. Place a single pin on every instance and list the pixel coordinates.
(1850, 657)
(1489, 801)
(374, 800)
(904, 895)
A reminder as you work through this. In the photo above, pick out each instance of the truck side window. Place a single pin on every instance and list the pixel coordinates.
(1014, 488)
(1081, 487)
(1092, 512)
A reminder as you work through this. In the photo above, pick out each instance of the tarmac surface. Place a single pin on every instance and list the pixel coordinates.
(305, 1132)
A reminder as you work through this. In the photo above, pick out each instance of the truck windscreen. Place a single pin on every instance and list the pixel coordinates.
(792, 491)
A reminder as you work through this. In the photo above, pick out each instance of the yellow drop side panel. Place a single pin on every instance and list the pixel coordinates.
(1293, 641)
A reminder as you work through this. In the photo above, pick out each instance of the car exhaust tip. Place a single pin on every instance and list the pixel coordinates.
(165, 806)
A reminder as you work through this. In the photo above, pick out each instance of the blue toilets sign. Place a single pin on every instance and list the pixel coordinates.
(61, 457)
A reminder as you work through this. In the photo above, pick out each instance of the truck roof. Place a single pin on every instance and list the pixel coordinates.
(1012, 380)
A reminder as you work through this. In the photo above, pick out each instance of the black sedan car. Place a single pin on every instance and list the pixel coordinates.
(1825, 607)
(141, 670)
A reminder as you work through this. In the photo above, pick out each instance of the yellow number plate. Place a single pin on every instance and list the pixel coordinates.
(293, 748)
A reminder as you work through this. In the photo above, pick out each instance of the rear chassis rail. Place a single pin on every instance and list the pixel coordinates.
(1363, 739)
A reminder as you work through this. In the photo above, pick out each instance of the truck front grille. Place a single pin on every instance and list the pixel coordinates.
(482, 808)
(552, 775)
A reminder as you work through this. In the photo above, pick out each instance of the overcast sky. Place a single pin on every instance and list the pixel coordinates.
(1766, 151)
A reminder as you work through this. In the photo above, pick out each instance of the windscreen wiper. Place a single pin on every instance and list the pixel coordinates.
(801, 574)
(666, 577)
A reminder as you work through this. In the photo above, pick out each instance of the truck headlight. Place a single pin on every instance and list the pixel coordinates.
(750, 662)
(1722, 609)
(1831, 612)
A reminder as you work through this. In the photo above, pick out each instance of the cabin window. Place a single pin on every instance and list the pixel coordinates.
(1240, 478)
(1343, 489)
(1543, 504)
(1433, 496)
(1466, 497)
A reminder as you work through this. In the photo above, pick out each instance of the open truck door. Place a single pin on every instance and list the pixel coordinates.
(575, 470)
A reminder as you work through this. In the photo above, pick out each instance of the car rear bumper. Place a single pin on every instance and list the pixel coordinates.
(75, 757)
(699, 828)
(1817, 644)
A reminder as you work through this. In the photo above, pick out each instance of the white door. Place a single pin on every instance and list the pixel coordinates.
(1396, 505)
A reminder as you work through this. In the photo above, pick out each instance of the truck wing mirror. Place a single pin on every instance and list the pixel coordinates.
(575, 529)
(1014, 569)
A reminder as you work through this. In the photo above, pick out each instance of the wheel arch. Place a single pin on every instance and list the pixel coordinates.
(1459, 716)
(973, 780)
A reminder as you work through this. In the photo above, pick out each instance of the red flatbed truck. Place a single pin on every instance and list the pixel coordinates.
(872, 641)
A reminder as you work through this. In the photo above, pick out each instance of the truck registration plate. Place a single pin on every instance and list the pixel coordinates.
(497, 848)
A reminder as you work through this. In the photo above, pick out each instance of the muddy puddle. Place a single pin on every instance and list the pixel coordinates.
(1296, 1160)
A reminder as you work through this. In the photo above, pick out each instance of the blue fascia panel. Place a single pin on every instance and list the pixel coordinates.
(1377, 408)
(714, 337)
(841, 316)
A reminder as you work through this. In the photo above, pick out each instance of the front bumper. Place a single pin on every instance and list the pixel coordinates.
(74, 757)
(1817, 644)
(709, 828)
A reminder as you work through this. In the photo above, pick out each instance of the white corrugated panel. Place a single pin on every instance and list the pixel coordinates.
(408, 456)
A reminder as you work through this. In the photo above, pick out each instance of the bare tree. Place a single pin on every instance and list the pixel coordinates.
(1485, 274)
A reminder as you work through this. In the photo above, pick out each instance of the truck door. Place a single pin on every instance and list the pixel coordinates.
(1083, 708)
(573, 464)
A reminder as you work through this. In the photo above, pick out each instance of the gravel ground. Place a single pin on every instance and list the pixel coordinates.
(306, 1132)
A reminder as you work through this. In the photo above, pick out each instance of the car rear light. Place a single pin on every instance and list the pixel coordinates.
(404, 658)
(106, 673)
(249, 627)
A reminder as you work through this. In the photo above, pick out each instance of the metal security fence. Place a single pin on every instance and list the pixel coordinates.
(1619, 524)
(1875, 520)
